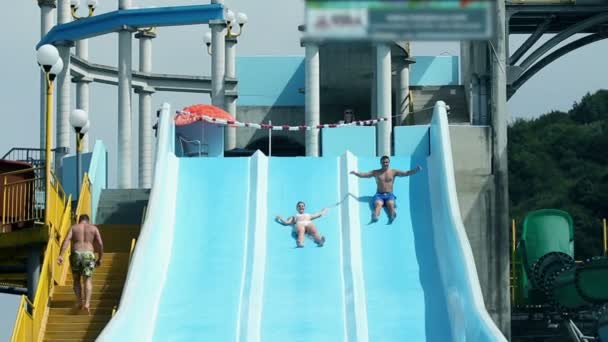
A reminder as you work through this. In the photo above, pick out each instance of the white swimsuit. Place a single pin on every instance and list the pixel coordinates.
(302, 218)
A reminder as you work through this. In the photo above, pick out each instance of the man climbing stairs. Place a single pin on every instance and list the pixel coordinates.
(66, 322)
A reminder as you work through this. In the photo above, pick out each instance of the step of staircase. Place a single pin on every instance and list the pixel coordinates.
(97, 288)
(96, 295)
(79, 319)
(95, 303)
(72, 334)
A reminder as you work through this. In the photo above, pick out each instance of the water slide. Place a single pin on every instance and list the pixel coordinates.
(211, 263)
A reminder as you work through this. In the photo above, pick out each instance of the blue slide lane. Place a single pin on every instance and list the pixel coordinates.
(405, 301)
(200, 298)
(303, 288)
(212, 264)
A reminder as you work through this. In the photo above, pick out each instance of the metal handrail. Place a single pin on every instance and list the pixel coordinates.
(20, 202)
(197, 142)
(27, 151)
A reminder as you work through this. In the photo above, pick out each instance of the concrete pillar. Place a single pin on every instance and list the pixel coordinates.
(383, 91)
(403, 91)
(146, 138)
(46, 23)
(483, 100)
(82, 90)
(499, 303)
(474, 99)
(124, 104)
(312, 102)
(218, 63)
(374, 97)
(63, 88)
(230, 101)
(33, 270)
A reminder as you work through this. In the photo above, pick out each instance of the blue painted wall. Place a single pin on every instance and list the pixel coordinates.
(68, 172)
(98, 174)
(271, 80)
(412, 141)
(361, 141)
(434, 71)
(277, 80)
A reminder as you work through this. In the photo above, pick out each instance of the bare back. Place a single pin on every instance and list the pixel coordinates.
(384, 180)
(84, 236)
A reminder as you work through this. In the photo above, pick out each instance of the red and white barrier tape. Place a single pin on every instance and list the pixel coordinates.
(191, 118)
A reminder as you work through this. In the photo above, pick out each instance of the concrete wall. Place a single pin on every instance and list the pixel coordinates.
(287, 115)
(471, 149)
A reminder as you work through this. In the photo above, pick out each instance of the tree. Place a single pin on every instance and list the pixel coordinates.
(560, 160)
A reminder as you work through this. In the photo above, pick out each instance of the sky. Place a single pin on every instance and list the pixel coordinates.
(271, 30)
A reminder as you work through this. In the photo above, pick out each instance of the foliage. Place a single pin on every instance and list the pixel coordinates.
(560, 160)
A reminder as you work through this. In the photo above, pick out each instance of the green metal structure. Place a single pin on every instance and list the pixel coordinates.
(549, 272)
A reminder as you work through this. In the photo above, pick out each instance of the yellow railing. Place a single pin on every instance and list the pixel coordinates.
(84, 200)
(56, 205)
(22, 193)
(29, 327)
(22, 330)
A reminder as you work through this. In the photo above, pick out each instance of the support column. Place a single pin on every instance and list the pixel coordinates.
(145, 112)
(218, 62)
(403, 91)
(82, 90)
(474, 99)
(63, 89)
(33, 270)
(230, 132)
(124, 104)
(499, 303)
(383, 91)
(312, 107)
(483, 100)
(46, 23)
(374, 96)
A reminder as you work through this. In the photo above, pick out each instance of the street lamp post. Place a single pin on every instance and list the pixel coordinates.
(230, 40)
(48, 59)
(80, 121)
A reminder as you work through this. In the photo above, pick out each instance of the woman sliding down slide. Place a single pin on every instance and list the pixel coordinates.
(302, 225)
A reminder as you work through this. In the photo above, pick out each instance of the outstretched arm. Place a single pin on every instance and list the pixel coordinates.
(64, 246)
(319, 214)
(362, 174)
(400, 173)
(285, 222)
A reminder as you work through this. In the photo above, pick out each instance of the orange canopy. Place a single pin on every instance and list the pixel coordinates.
(195, 112)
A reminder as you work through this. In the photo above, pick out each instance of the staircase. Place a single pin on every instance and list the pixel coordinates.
(426, 96)
(67, 323)
(119, 216)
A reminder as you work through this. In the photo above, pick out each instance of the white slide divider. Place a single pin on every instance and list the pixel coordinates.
(354, 284)
(252, 293)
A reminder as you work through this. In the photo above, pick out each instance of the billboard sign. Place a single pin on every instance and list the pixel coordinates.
(400, 19)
